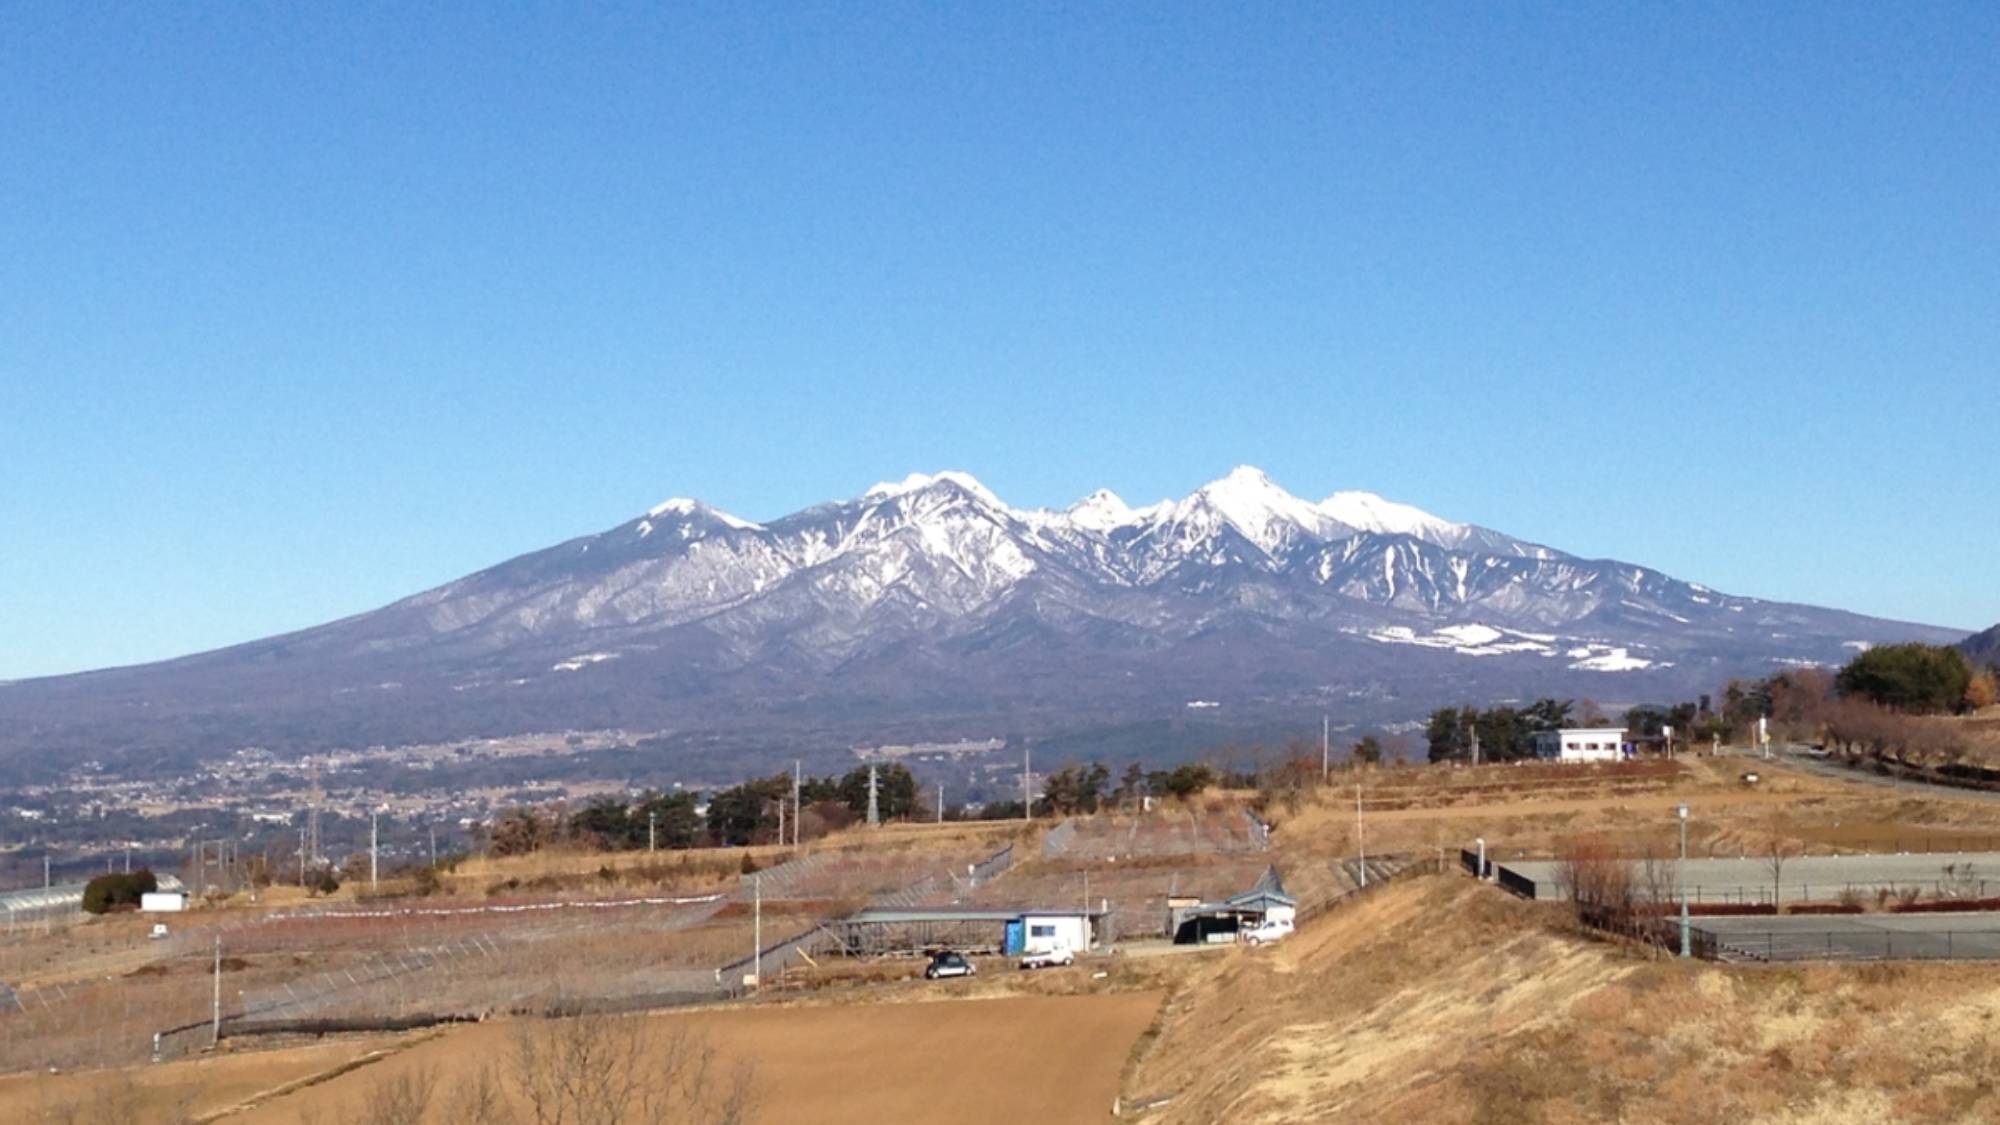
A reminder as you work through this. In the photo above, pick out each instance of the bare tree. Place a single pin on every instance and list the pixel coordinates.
(1961, 880)
(1599, 882)
(1659, 881)
(1776, 853)
(401, 1099)
(613, 1070)
(478, 1097)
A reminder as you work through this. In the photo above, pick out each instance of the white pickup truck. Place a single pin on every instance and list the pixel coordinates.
(1049, 958)
(1268, 931)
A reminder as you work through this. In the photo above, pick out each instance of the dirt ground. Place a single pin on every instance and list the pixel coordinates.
(1040, 1058)
(180, 1091)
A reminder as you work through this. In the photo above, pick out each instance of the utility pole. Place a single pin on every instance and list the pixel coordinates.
(798, 810)
(940, 802)
(1325, 749)
(1680, 877)
(1360, 841)
(434, 844)
(46, 877)
(874, 812)
(1027, 794)
(302, 857)
(1475, 745)
(374, 867)
(215, 1009)
(781, 820)
(757, 930)
(312, 817)
(653, 831)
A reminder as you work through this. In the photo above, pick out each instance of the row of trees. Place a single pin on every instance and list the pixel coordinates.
(739, 815)
(1083, 789)
(749, 813)
(1866, 701)
(1504, 734)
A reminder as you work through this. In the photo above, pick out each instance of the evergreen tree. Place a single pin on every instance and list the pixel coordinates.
(1914, 678)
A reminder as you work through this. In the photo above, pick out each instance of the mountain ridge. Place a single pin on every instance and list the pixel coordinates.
(928, 600)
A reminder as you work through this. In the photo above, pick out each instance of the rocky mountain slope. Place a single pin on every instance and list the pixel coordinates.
(928, 606)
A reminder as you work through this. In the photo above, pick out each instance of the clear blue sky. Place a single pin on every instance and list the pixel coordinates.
(304, 308)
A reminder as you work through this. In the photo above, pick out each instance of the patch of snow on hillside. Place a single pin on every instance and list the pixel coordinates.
(1466, 640)
(1858, 646)
(1610, 658)
(580, 662)
(1471, 634)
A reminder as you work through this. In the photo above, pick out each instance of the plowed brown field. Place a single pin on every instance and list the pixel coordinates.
(1042, 1058)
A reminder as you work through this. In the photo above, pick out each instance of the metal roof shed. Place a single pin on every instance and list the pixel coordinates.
(1220, 921)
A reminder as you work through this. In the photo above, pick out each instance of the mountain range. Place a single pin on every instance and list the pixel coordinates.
(928, 607)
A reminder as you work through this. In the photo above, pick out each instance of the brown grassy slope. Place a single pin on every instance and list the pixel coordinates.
(1442, 1000)
(1525, 810)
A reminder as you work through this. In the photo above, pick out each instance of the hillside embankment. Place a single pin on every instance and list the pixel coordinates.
(1439, 999)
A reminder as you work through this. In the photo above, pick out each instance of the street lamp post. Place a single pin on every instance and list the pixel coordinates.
(1680, 877)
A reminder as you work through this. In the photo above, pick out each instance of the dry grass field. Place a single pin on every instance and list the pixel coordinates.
(1439, 999)
(1431, 999)
(1002, 1060)
(1525, 810)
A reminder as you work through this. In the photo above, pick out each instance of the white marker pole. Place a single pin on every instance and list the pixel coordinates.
(1360, 841)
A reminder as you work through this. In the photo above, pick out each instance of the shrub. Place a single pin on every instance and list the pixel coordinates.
(113, 892)
(426, 880)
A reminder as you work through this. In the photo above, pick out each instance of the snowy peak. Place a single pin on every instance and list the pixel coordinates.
(680, 507)
(1105, 511)
(1257, 508)
(1365, 511)
(1100, 511)
(917, 482)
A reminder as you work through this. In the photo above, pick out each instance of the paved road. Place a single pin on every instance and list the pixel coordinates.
(1970, 936)
(1819, 878)
(1829, 768)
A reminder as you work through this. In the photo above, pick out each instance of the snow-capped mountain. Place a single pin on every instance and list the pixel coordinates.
(931, 597)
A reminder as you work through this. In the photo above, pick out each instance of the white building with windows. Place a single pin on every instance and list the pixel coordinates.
(1050, 931)
(1581, 744)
